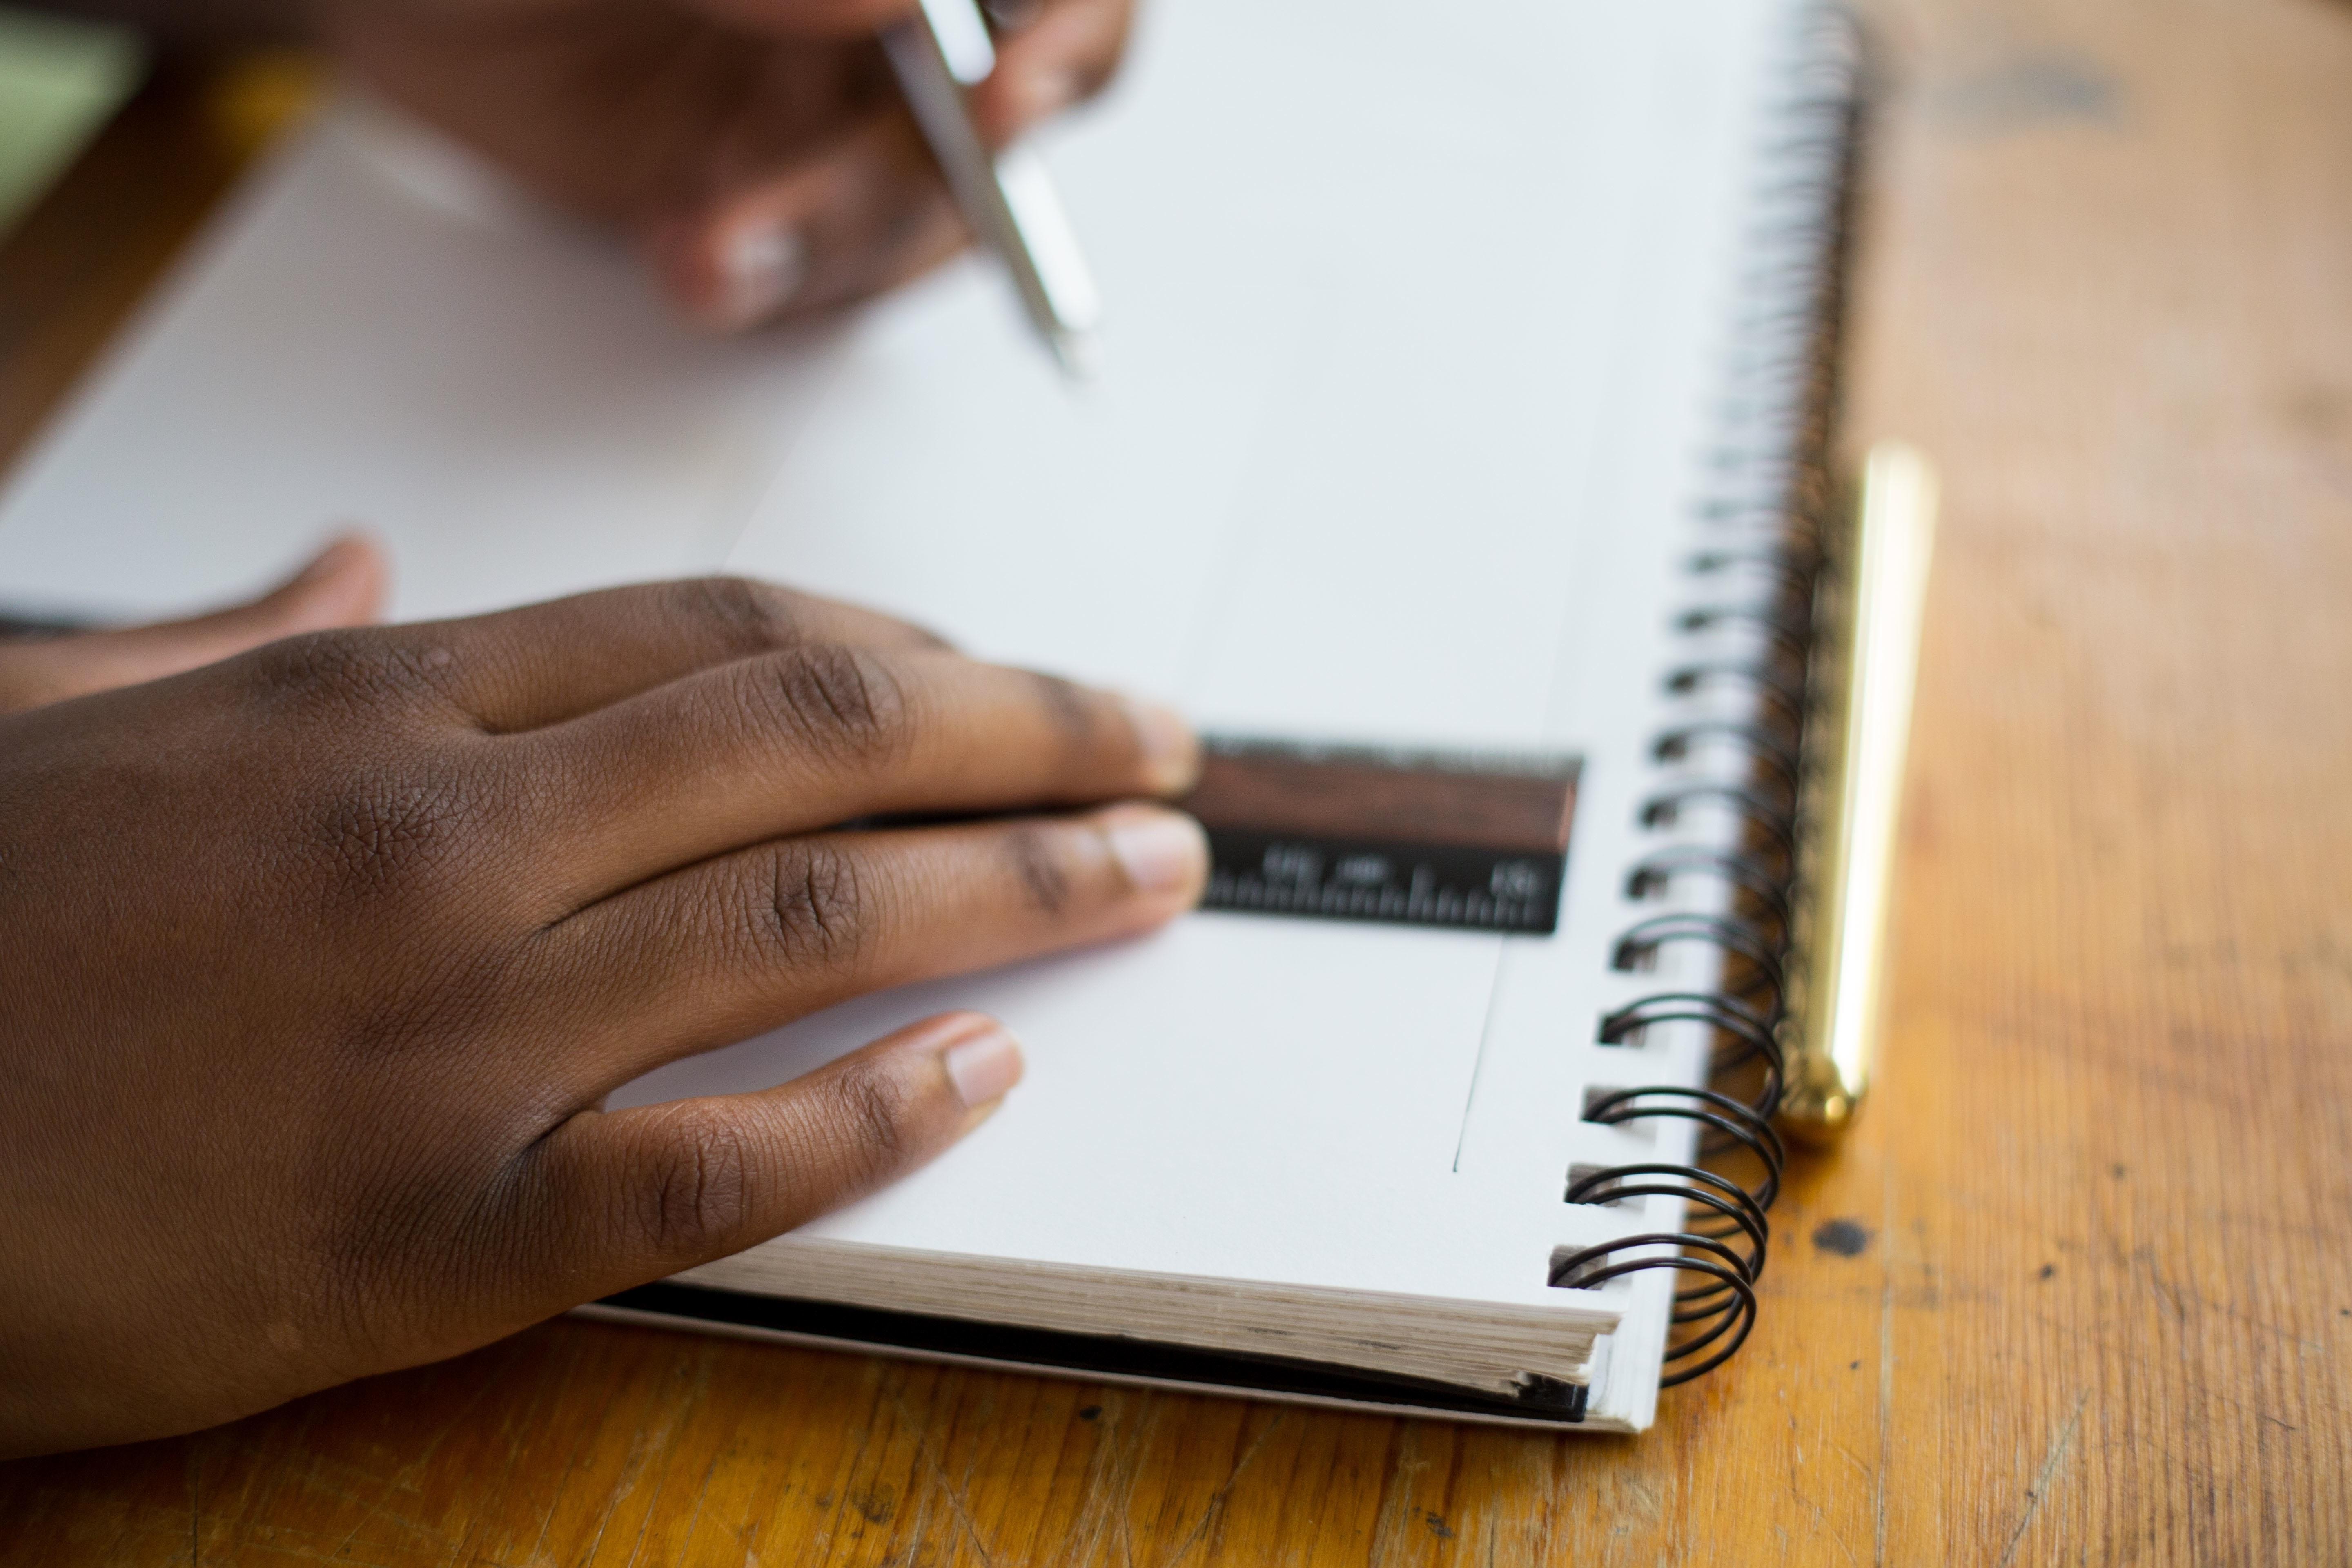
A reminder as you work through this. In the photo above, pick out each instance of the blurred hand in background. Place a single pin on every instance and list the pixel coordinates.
(757, 149)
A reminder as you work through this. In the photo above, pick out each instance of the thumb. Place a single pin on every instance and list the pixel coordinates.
(636, 1195)
(342, 585)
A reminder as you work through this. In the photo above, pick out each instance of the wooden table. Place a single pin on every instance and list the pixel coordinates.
(2103, 1310)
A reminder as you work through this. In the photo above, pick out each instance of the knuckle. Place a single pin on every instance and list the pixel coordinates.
(807, 909)
(405, 833)
(1071, 710)
(871, 1113)
(838, 698)
(1039, 868)
(452, 991)
(748, 616)
(1090, 732)
(382, 1197)
(342, 672)
(697, 1196)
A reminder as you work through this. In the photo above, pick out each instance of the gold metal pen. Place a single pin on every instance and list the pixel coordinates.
(1872, 603)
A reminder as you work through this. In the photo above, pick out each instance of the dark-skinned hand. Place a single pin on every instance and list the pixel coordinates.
(317, 961)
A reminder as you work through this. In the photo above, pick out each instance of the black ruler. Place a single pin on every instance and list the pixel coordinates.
(1374, 880)
(1476, 841)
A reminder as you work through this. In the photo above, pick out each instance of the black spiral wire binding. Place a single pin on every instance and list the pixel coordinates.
(1763, 526)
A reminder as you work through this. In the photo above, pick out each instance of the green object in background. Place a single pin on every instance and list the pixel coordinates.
(59, 81)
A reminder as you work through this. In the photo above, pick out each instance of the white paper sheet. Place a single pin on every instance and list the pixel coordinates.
(1389, 444)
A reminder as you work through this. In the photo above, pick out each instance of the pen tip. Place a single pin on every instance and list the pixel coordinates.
(1077, 354)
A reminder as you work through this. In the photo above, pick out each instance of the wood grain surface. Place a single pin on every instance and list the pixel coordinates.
(84, 258)
(2080, 1288)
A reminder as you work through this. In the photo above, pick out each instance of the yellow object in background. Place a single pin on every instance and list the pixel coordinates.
(59, 81)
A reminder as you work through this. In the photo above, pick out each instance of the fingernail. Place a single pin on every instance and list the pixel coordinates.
(983, 1067)
(1052, 90)
(1171, 753)
(1161, 851)
(761, 266)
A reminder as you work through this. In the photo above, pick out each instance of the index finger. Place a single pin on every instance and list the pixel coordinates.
(821, 734)
(540, 665)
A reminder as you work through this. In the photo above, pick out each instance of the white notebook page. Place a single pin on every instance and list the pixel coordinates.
(1402, 367)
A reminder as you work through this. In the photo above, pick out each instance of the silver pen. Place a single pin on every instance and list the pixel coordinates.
(939, 55)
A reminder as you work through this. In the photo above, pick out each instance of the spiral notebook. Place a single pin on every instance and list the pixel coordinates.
(1450, 460)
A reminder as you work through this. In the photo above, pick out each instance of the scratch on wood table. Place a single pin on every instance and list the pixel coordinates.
(2059, 1446)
